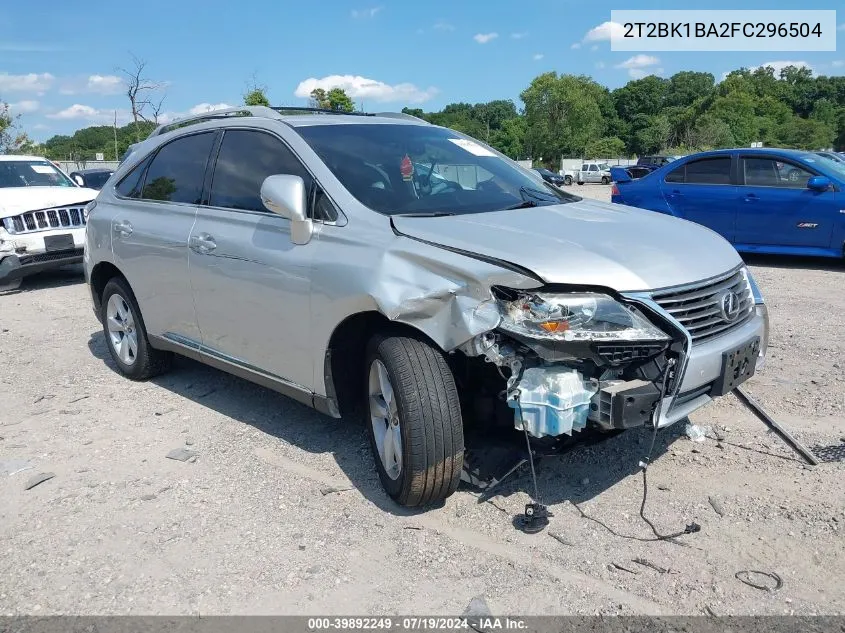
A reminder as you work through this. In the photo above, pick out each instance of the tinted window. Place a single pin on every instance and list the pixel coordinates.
(96, 180)
(246, 158)
(705, 171)
(130, 186)
(766, 172)
(177, 170)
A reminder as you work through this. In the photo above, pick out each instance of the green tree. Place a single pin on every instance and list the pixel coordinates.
(606, 147)
(256, 97)
(334, 99)
(687, 87)
(11, 139)
(510, 138)
(641, 96)
(563, 114)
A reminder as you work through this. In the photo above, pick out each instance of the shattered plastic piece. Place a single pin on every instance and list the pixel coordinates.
(552, 401)
(694, 432)
(327, 490)
(40, 478)
(181, 454)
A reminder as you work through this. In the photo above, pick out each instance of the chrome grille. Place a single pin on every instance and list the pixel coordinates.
(698, 307)
(62, 217)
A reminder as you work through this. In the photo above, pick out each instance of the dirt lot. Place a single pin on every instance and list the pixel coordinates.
(246, 528)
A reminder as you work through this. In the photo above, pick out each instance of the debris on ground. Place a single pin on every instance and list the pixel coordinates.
(182, 454)
(620, 567)
(40, 478)
(717, 506)
(327, 490)
(694, 432)
(560, 539)
(761, 580)
(646, 563)
(13, 466)
(46, 396)
(147, 497)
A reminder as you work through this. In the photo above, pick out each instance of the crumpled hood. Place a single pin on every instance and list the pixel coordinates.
(16, 200)
(586, 242)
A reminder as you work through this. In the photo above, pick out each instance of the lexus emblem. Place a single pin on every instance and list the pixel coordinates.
(729, 306)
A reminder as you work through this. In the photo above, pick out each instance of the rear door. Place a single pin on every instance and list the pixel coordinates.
(702, 190)
(150, 232)
(251, 284)
(777, 208)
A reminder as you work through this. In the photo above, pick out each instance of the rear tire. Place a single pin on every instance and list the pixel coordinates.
(605, 180)
(126, 336)
(567, 181)
(580, 182)
(413, 420)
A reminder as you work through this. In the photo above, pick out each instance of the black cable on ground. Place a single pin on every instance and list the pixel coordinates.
(692, 528)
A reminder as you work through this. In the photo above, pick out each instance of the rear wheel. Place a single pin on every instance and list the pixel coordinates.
(568, 181)
(414, 420)
(580, 182)
(605, 180)
(126, 336)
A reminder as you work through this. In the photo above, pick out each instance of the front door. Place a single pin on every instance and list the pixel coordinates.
(700, 190)
(777, 208)
(251, 284)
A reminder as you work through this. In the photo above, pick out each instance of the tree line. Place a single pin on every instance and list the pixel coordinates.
(574, 116)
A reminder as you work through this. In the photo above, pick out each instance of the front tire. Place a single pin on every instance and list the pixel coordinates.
(126, 336)
(414, 420)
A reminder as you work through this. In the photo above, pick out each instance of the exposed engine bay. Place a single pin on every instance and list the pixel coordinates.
(560, 361)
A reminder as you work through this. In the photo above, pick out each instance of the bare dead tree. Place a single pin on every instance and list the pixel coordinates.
(141, 91)
(156, 107)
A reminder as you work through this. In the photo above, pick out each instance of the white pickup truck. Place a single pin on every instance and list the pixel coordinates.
(42, 218)
(593, 172)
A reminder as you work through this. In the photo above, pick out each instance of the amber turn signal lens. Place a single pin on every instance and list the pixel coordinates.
(555, 326)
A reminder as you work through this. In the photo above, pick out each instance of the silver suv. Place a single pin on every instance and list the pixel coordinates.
(382, 267)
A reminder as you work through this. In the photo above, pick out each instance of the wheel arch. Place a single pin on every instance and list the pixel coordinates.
(345, 355)
(100, 276)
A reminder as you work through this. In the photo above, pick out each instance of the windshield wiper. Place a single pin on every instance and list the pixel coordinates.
(525, 204)
(424, 214)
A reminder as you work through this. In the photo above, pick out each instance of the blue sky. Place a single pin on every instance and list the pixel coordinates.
(59, 63)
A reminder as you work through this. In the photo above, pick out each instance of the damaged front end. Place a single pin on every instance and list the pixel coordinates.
(573, 358)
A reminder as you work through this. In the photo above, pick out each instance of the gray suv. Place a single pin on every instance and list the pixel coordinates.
(381, 267)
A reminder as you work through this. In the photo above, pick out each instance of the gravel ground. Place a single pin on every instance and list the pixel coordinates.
(250, 527)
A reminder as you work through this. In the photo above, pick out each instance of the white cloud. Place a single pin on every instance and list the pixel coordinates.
(599, 65)
(594, 47)
(80, 112)
(24, 107)
(440, 25)
(575, 46)
(200, 108)
(639, 73)
(639, 61)
(604, 31)
(40, 126)
(838, 63)
(518, 36)
(105, 84)
(483, 38)
(32, 82)
(538, 56)
(366, 13)
(359, 87)
(780, 65)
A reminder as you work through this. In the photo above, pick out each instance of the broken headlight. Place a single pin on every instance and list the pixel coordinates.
(576, 317)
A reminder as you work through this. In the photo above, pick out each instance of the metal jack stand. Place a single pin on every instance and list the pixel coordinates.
(766, 419)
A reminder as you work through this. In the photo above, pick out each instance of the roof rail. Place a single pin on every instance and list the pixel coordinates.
(401, 115)
(215, 114)
(286, 109)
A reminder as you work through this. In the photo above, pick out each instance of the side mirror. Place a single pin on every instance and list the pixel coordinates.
(819, 183)
(285, 196)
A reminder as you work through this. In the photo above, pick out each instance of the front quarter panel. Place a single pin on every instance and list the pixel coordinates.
(443, 294)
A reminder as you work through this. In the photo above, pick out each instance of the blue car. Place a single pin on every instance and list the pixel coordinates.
(761, 200)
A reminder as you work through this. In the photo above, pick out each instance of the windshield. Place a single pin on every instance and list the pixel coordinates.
(832, 167)
(604, 167)
(32, 173)
(398, 169)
